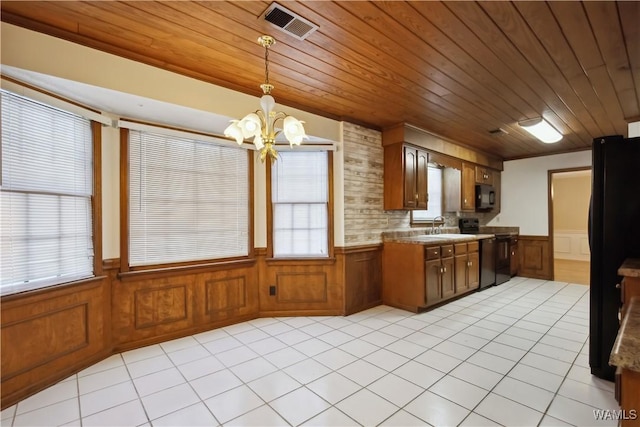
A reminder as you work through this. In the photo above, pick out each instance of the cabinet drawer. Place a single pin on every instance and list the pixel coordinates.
(473, 246)
(432, 252)
(460, 248)
(447, 251)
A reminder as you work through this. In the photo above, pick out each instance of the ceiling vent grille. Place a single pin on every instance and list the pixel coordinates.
(289, 22)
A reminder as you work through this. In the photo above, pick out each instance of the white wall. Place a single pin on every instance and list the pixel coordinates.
(524, 200)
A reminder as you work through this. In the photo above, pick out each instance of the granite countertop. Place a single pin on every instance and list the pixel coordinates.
(626, 350)
(427, 239)
(630, 267)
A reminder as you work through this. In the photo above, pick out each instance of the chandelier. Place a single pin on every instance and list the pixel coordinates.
(261, 125)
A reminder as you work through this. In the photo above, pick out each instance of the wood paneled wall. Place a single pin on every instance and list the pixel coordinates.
(363, 278)
(149, 308)
(301, 287)
(50, 334)
(535, 257)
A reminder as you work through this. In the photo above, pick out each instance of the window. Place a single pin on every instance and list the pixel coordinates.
(46, 197)
(300, 201)
(188, 200)
(434, 181)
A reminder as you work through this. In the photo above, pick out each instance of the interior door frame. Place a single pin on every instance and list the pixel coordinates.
(550, 174)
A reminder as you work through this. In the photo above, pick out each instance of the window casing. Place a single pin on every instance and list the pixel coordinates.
(188, 200)
(300, 202)
(47, 196)
(435, 208)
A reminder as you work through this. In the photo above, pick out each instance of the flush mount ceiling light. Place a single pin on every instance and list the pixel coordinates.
(541, 129)
(261, 125)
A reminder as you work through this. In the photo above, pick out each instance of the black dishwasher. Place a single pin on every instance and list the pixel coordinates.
(503, 260)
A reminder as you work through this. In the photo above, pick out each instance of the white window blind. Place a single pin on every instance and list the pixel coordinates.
(434, 181)
(46, 197)
(188, 200)
(300, 199)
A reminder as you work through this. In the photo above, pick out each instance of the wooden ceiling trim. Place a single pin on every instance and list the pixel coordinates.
(481, 24)
(384, 96)
(413, 86)
(577, 31)
(629, 12)
(449, 24)
(387, 26)
(462, 120)
(519, 33)
(228, 56)
(604, 21)
(542, 22)
(475, 74)
(458, 69)
(340, 85)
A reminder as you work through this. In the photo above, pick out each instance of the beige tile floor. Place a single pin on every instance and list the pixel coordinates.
(510, 355)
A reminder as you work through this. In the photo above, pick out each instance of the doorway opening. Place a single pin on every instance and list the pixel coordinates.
(569, 194)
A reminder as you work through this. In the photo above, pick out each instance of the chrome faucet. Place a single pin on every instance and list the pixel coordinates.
(433, 225)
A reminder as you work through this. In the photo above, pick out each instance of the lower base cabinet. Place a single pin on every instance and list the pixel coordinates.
(467, 264)
(416, 277)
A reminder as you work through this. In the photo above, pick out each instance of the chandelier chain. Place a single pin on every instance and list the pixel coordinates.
(266, 64)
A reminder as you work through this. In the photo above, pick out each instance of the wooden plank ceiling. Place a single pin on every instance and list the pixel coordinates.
(458, 69)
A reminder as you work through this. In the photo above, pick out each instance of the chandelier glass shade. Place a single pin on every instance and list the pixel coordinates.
(265, 124)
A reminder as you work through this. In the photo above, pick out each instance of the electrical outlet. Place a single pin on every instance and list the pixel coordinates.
(272, 290)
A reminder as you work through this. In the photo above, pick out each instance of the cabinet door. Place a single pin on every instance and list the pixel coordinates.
(468, 187)
(433, 275)
(484, 175)
(461, 273)
(410, 171)
(448, 279)
(422, 173)
(473, 271)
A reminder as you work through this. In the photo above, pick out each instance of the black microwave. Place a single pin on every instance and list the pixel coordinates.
(485, 197)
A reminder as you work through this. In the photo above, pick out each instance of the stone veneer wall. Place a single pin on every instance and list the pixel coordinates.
(364, 217)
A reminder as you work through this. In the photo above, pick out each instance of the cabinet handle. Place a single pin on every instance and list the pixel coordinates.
(617, 285)
(416, 196)
(444, 269)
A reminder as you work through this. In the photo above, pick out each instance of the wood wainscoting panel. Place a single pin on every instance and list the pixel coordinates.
(301, 287)
(58, 333)
(160, 305)
(535, 257)
(164, 306)
(225, 294)
(51, 333)
(363, 278)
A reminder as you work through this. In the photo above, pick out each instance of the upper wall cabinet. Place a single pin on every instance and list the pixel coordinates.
(459, 189)
(484, 175)
(405, 177)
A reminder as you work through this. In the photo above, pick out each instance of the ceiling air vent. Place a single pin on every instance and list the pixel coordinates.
(289, 22)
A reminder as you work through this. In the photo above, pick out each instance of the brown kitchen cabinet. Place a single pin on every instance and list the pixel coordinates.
(439, 274)
(418, 276)
(467, 265)
(405, 177)
(484, 175)
(459, 189)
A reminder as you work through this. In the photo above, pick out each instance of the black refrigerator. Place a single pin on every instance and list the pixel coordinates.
(614, 235)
